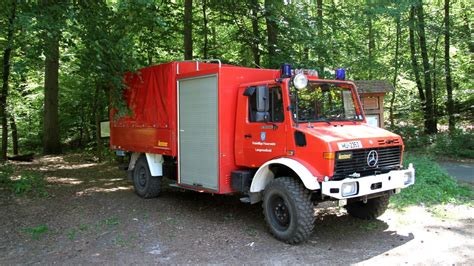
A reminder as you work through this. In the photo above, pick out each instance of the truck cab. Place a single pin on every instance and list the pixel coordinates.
(313, 130)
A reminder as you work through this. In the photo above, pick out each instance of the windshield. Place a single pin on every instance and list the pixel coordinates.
(325, 102)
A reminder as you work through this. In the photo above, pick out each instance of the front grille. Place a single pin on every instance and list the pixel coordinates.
(388, 159)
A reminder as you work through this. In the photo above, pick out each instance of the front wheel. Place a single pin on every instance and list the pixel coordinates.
(288, 210)
(146, 185)
(369, 210)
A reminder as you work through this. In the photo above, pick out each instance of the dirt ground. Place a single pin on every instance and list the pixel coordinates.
(93, 216)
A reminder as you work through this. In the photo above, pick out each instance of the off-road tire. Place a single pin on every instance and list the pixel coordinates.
(370, 210)
(146, 185)
(292, 194)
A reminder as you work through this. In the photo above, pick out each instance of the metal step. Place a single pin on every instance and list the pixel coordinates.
(245, 200)
(174, 184)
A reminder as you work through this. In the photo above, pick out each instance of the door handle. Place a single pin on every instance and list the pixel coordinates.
(247, 136)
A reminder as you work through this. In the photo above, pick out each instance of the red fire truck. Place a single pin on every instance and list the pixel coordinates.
(281, 137)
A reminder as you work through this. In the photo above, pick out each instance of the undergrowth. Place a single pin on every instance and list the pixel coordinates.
(432, 186)
(457, 144)
(26, 182)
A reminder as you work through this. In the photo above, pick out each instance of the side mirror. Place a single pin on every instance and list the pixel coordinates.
(260, 104)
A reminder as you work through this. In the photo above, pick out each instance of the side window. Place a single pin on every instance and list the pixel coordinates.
(275, 103)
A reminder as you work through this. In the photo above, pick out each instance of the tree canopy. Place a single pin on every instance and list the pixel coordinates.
(63, 60)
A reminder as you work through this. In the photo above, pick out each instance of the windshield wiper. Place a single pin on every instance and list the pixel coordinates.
(323, 119)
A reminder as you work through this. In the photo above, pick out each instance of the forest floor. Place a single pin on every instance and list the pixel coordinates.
(93, 216)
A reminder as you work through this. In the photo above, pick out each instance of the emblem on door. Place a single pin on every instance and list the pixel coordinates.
(263, 136)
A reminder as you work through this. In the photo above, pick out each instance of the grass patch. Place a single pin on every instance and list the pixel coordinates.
(72, 233)
(37, 231)
(6, 171)
(371, 225)
(113, 221)
(83, 227)
(27, 182)
(432, 186)
(250, 230)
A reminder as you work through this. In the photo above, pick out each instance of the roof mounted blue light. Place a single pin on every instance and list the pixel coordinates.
(341, 73)
(285, 70)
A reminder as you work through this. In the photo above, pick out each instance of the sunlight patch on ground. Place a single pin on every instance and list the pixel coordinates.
(63, 180)
(100, 189)
(428, 228)
(76, 166)
(50, 167)
(52, 159)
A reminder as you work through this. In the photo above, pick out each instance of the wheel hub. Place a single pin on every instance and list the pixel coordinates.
(142, 177)
(280, 212)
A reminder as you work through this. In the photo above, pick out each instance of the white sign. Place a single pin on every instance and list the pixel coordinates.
(372, 120)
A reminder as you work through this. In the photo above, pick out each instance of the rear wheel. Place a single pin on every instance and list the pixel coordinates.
(370, 210)
(146, 185)
(288, 210)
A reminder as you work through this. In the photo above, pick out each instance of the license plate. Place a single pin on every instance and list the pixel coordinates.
(349, 145)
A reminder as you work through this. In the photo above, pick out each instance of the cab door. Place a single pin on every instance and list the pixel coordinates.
(262, 130)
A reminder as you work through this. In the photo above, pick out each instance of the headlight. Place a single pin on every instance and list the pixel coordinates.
(349, 189)
(300, 81)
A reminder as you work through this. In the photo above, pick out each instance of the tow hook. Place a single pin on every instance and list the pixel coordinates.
(364, 199)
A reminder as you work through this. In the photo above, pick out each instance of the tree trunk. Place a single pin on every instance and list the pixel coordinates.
(435, 81)
(51, 140)
(371, 46)
(14, 133)
(430, 117)
(6, 75)
(447, 70)
(96, 112)
(272, 32)
(414, 62)
(205, 29)
(188, 29)
(320, 32)
(395, 72)
(256, 33)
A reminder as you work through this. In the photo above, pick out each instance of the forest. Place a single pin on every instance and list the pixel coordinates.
(63, 60)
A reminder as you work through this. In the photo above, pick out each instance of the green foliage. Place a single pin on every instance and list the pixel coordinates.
(101, 40)
(36, 232)
(71, 234)
(112, 221)
(458, 144)
(30, 182)
(6, 171)
(432, 186)
(26, 182)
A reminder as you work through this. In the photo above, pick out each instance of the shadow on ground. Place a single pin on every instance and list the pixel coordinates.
(94, 216)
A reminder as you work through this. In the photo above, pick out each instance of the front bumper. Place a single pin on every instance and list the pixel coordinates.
(367, 185)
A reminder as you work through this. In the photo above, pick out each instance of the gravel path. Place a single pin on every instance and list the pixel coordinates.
(94, 217)
(463, 171)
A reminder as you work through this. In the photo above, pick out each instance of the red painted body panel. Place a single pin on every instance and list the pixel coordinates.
(151, 98)
(152, 126)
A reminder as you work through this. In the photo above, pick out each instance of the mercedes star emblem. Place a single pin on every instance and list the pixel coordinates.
(372, 158)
